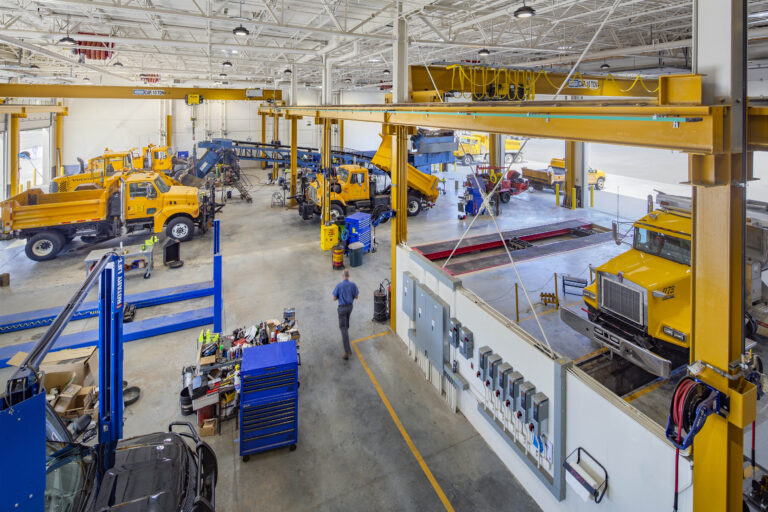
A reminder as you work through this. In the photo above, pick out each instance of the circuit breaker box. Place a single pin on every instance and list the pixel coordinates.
(524, 398)
(501, 380)
(454, 328)
(514, 379)
(539, 414)
(482, 357)
(466, 342)
(431, 329)
(409, 294)
(492, 363)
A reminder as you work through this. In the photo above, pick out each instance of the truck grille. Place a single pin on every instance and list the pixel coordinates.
(622, 300)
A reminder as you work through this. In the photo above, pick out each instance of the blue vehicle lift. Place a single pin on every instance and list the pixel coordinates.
(22, 410)
(135, 330)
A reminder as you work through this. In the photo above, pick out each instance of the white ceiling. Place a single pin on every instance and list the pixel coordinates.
(186, 41)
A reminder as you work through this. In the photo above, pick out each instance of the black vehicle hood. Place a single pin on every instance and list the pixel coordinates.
(151, 473)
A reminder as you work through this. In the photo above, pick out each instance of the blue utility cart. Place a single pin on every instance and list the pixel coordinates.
(269, 411)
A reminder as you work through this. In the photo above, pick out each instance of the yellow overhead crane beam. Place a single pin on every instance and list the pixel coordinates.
(135, 93)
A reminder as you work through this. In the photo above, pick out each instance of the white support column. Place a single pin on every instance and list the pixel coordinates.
(327, 87)
(400, 58)
(293, 84)
(580, 168)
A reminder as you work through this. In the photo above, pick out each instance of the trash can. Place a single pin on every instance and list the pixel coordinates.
(356, 254)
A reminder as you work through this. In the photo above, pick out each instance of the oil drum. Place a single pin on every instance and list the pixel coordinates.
(380, 305)
(337, 257)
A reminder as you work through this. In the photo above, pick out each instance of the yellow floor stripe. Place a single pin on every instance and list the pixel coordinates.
(370, 337)
(408, 441)
(645, 390)
(591, 354)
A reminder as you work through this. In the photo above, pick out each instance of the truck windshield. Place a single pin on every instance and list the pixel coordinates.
(161, 185)
(665, 246)
(342, 174)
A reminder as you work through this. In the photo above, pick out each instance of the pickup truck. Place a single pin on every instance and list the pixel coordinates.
(555, 173)
(139, 201)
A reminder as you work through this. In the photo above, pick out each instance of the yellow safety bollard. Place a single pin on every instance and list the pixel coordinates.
(557, 194)
(557, 297)
(517, 307)
(573, 198)
(591, 196)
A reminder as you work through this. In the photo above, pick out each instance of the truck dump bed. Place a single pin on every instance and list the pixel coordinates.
(35, 209)
(426, 184)
(543, 175)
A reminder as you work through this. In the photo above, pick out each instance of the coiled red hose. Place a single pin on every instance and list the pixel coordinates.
(679, 397)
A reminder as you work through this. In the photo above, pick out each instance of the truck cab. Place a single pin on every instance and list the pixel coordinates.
(157, 158)
(351, 187)
(639, 304)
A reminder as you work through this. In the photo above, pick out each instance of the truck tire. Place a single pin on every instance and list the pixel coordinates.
(600, 185)
(504, 196)
(44, 246)
(537, 186)
(337, 211)
(466, 159)
(413, 205)
(181, 229)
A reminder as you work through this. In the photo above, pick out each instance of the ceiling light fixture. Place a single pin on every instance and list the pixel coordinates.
(34, 66)
(226, 64)
(348, 80)
(483, 52)
(525, 11)
(386, 71)
(68, 41)
(604, 65)
(118, 64)
(287, 72)
(240, 30)
(223, 75)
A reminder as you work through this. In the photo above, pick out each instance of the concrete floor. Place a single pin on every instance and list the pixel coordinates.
(351, 455)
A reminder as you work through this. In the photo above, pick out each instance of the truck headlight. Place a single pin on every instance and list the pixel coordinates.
(674, 333)
(589, 294)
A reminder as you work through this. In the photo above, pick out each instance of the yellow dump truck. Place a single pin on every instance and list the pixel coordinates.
(474, 147)
(157, 158)
(139, 201)
(355, 188)
(555, 173)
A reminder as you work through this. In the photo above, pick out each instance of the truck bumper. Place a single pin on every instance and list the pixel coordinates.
(630, 351)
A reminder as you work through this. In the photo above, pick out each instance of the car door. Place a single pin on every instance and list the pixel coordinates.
(143, 200)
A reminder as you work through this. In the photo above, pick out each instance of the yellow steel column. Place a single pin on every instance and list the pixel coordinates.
(399, 205)
(263, 136)
(14, 143)
(59, 156)
(169, 131)
(325, 164)
(493, 143)
(341, 134)
(275, 137)
(570, 173)
(294, 158)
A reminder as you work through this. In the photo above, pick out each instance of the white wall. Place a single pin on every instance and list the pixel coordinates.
(359, 135)
(639, 461)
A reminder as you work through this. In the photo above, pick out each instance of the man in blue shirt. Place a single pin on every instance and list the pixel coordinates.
(345, 293)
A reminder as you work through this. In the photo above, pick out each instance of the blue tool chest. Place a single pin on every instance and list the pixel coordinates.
(359, 228)
(269, 398)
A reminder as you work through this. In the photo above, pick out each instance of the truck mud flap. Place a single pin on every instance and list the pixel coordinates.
(630, 351)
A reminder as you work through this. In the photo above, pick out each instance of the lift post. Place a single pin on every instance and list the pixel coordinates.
(294, 159)
(275, 139)
(263, 135)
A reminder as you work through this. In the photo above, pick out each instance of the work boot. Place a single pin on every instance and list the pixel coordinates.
(345, 356)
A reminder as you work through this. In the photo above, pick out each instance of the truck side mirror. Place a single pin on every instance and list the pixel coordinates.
(650, 203)
(615, 231)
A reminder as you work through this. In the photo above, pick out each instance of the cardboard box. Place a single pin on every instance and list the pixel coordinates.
(82, 403)
(209, 427)
(83, 361)
(66, 399)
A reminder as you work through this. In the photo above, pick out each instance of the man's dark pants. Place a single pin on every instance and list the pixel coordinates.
(344, 313)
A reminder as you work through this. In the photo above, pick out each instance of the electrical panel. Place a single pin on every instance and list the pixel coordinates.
(492, 363)
(501, 380)
(525, 393)
(409, 294)
(514, 379)
(431, 324)
(454, 328)
(482, 356)
(466, 342)
(539, 414)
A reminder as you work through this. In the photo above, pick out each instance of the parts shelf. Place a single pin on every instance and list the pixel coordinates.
(269, 403)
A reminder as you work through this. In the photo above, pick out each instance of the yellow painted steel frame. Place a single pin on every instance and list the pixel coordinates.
(570, 174)
(59, 157)
(294, 158)
(399, 202)
(341, 135)
(169, 132)
(136, 93)
(325, 163)
(492, 150)
(275, 137)
(14, 147)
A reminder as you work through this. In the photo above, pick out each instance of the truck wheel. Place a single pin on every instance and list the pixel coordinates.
(337, 212)
(44, 246)
(414, 206)
(504, 196)
(508, 158)
(180, 228)
(600, 185)
(538, 186)
(466, 159)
